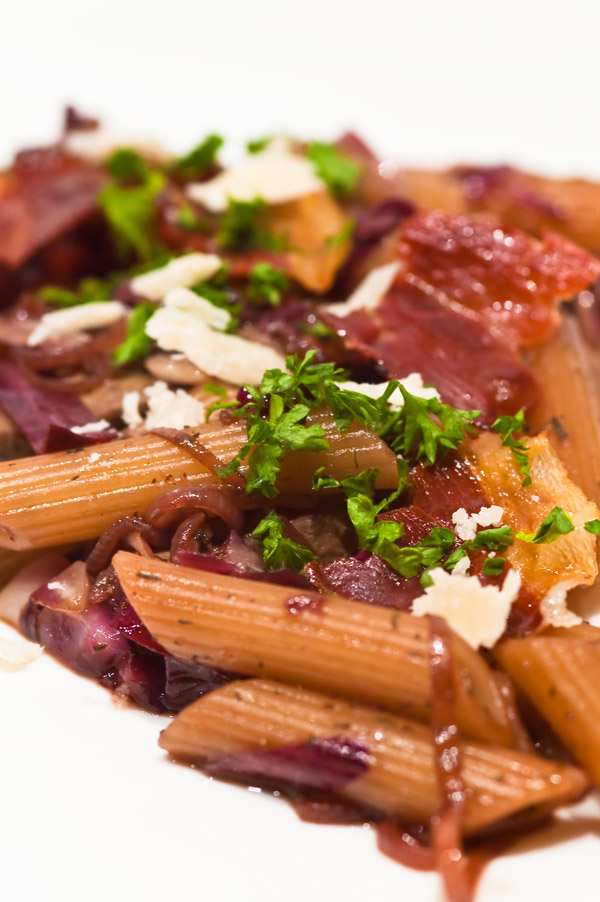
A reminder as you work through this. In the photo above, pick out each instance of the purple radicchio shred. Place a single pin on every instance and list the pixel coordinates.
(46, 417)
(103, 642)
(376, 222)
(201, 561)
(318, 765)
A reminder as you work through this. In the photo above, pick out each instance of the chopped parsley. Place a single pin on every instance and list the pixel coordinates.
(243, 226)
(128, 202)
(137, 344)
(288, 397)
(495, 539)
(259, 144)
(201, 158)
(592, 526)
(339, 173)
(493, 566)
(342, 236)
(214, 291)
(557, 523)
(506, 427)
(88, 291)
(267, 283)
(278, 551)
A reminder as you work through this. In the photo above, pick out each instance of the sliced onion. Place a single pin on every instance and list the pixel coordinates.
(67, 591)
(174, 369)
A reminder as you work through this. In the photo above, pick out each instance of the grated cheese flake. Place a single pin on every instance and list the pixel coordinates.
(183, 272)
(91, 427)
(369, 294)
(277, 175)
(477, 613)
(553, 606)
(165, 408)
(76, 319)
(186, 324)
(413, 383)
(466, 524)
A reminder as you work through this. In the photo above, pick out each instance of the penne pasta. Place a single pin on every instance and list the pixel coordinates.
(569, 408)
(561, 677)
(326, 642)
(76, 495)
(399, 780)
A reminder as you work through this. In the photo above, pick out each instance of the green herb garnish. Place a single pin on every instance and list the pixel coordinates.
(506, 427)
(201, 158)
(339, 173)
(279, 551)
(267, 283)
(128, 202)
(243, 226)
(137, 344)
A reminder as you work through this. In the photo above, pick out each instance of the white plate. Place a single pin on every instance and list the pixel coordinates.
(90, 809)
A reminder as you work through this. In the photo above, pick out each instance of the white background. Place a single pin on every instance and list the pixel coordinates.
(89, 807)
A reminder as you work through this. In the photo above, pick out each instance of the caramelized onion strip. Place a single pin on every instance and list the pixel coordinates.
(374, 654)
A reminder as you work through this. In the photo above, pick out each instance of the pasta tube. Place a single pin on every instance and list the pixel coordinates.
(360, 651)
(399, 779)
(72, 496)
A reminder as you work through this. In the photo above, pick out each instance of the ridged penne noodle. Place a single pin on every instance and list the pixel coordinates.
(570, 558)
(569, 408)
(76, 495)
(561, 677)
(400, 779)
(326, 642)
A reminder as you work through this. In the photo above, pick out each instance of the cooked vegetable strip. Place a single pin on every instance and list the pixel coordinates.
(569, 407)
(356, 650)
(561, 677)
(570, 557)
(399, 780)
(74, 496)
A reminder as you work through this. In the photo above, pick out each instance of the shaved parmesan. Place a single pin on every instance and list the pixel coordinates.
(553, 606)
(412, 383)
(276, 175)
(477, 613)
(183, 272)
(466, 524)
(91, 427)
(186, 324)
(166, 409)
(76, 319)
(369, 293)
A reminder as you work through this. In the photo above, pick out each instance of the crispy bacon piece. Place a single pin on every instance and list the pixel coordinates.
(499, 276)
(411, 331)
(45, 194)
(531, 202)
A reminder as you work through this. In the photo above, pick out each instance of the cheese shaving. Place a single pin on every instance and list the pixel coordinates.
(166, 409)
(183, 272)
(276, 175)
(553, 606)
(369, 294)
(413, 383)
(477, 613)
(76, 319)
(91, 427)
(466, 524)
(186, 324)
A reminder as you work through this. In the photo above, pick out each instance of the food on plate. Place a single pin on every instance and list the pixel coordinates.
(304, 450)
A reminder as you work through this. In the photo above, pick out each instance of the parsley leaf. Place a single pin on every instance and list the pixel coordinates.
(267, 283)
(200, 158)
(493, 566)
(557, 523)
(277, 550)
(88, 290)
(339, 173)
(416, 433)
(258, 144)
(342, 236)
(506, 427)
(494, 539)
(592, 526)
(243, 225)
(137, 344)
(128, 202)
